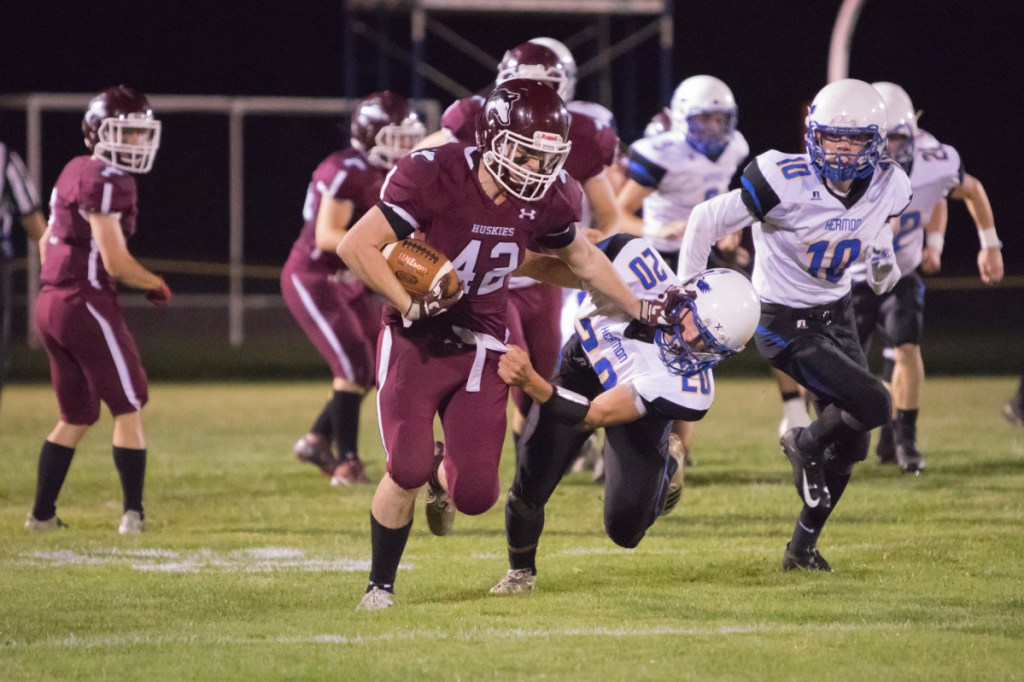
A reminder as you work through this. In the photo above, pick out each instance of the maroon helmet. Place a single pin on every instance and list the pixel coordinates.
(385, 128)
(119, 128)
(523, 133)
(541, 62)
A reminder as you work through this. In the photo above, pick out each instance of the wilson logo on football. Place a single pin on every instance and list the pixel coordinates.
(411, 263)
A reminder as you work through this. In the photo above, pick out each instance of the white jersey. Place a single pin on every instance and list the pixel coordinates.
(805, 237)
(936, 170)
(616, 359)
(681, 178)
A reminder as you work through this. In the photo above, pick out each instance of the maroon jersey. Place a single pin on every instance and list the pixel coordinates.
(436, 192)
(594, 145)
(86, 185)
(593, 142)
(344, 175)
(462, 117)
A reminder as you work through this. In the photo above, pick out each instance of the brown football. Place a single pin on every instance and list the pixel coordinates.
(419, 267)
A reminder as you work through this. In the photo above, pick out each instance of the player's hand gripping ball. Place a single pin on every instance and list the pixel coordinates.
(426, 274)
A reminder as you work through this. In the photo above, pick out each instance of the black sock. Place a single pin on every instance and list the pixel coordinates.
(906, 426)
(322, 426)
(790, 395)
(388, 545)
(1019, 397)
(520, 559)
(523, 527)
(54, 461)
(345, 423)
(131, 467)
(812, 520)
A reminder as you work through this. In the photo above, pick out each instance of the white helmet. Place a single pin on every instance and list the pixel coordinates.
(846, 107)
(726, 311)
(567, 87)
(901, 119)
(704, 95)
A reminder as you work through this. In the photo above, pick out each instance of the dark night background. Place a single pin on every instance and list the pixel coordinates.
(960, 63)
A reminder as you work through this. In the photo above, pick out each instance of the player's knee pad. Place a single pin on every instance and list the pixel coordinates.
(843, 454)
(522, 509)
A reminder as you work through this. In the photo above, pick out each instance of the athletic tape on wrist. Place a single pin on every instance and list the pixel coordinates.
(567, 406)
(989, 239)
(935, 241)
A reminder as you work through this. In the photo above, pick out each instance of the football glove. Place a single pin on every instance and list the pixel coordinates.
(664, 311)
(161, 296)
(883, 273)
(432, 304)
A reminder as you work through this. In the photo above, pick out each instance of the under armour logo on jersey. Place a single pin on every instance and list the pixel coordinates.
(501, 104)
(815, 195)
(530, 213)
(801, 324)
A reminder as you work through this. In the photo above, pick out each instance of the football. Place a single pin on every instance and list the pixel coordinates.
(420, 267)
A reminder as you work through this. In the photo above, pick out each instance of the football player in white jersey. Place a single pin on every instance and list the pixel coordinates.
(936, 172)
(814, 214)
(691, 155)
(693, 160)
(631, 379)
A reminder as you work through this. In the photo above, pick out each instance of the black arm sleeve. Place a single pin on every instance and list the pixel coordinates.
(758, 196)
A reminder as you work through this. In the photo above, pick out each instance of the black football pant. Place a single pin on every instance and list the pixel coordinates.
(635, 466)
(819, 347)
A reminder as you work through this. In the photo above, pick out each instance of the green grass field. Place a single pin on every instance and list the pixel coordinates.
(252, 565)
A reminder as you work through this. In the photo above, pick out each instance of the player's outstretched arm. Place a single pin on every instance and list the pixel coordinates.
(990, 256)
(935, 238)
(598, 274)
(709, 222)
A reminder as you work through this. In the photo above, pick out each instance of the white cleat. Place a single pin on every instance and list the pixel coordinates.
(516, 581)
(376, 599)
(131, 523)
(33, 524)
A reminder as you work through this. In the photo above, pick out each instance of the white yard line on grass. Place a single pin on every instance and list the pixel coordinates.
(253, 560)
(472, 634)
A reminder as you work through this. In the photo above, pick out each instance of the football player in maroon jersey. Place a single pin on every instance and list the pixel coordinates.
(535, 314)
(484, 206)
(93, 356)
(339, 315)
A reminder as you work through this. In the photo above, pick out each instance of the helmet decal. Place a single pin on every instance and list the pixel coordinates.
(503, 105)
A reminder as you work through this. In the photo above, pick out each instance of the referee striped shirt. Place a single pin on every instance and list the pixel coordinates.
(18, 196)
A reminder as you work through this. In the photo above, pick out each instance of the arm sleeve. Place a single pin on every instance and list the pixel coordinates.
(710, 221)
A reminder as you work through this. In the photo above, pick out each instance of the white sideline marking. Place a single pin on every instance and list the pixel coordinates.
(472, 634)
(254, 560)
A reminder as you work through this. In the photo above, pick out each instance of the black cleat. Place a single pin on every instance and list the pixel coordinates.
(909, 458)
(808, 471)
(804, 560)
(886, 447)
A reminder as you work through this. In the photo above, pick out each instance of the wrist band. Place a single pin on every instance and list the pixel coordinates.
(989, 239)
(935, 241)
(566, 406)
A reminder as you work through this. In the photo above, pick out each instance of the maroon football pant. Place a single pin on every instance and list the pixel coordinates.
(93, 356)
(534, 323)
(420, 375)
(340, 319)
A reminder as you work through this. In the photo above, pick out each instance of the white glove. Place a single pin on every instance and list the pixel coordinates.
(883, 272)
